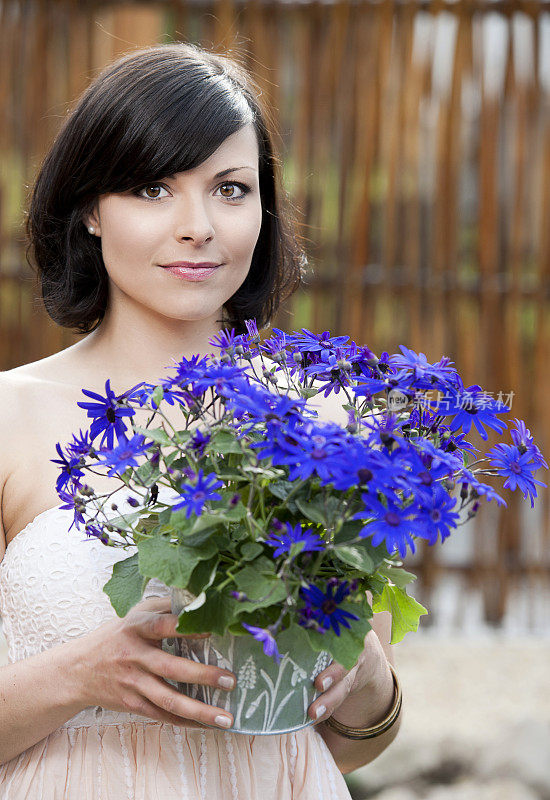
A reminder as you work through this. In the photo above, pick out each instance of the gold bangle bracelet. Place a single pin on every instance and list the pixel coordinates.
(376, 730)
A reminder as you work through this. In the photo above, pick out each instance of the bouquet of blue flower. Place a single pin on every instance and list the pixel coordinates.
(274, 522)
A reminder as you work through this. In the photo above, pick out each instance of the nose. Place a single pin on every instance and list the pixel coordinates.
(193, 223)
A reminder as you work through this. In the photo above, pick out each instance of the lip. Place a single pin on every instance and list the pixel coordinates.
(194, 273)
(193, 264)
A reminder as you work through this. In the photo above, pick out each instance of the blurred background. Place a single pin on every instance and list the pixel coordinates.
(415, 143)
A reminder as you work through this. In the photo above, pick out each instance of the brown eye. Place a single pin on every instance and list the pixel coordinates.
(151, 191)
(228, 190)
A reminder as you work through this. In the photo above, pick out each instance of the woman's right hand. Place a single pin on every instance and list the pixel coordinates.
(121, 666)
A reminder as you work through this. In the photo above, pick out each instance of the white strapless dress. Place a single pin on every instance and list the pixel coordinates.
(51, 591)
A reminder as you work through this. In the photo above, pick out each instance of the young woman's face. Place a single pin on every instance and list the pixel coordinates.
(193, 216)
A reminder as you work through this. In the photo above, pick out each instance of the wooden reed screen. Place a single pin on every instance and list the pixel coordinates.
(416, 144)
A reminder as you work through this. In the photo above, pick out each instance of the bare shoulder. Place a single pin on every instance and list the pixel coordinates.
(12, 403)
(14, 387)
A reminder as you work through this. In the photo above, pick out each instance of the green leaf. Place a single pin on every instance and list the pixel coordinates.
(345, 648)
(224, 442)
(308, 391)
(199, 537)
(280, 489)
(158, 435)
(182, 437)
(397, 575)
(296, 548)
(126, 522)
(171, 563)
(125, 587)
(148, 473)
(348, 531)
(249, 550)
(265, 565)
(148, 524)
(312, 511)
(294, 639)
(233, 514)
(256, 585)
(405, 611)
(158, 395)
(356, 557)
(203, 575)
(214, 616)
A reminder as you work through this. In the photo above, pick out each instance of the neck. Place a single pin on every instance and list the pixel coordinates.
(130, 350)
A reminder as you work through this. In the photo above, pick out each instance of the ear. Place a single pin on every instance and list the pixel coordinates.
(91, 220)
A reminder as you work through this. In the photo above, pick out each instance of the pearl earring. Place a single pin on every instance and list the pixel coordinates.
(91, 229)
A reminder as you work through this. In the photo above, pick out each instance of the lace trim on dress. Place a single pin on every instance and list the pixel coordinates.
(203, 765)
(99, 775)
(181, 760)
(232, 768)
(293, 755)
(127, 770)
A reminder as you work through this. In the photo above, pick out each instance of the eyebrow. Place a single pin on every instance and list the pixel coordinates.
(222, 173)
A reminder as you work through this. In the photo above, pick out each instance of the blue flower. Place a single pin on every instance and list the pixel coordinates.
(370, 386)
(275, 345)
(284, 541)
(522, 438)
(425, 374)
(259, 402)
(357, 464)
(305, 449)
(266, 638)
(219, 377)
(450, 461)
(74, 504)
(252, 328)
(466, 477)
(124, 454)
(228, 341)
(194, 496)
(107, 414)
(438, 516)
(70, 469)
(322, 607)
(517, 467)
(199, 442)
(308, 342)
(80, 446)
(188, 370)
(472, 406)
(392, 525)
(97, 531)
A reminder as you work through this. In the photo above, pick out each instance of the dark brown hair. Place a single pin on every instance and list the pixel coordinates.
(152, 113)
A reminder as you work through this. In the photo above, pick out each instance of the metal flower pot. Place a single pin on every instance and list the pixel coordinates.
(269, 697)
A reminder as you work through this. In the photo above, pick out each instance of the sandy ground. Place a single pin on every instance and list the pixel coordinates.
(461, 696)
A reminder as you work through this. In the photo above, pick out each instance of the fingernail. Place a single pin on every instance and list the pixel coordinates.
(225, 722)
(320, 711)
(226, 682)
(326, 683)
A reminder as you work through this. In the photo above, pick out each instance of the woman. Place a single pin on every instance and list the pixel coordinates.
(157, 218)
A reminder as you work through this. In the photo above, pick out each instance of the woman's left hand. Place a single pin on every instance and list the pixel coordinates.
(338, 684)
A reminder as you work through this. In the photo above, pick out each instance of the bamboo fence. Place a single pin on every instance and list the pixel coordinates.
(415, 138)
